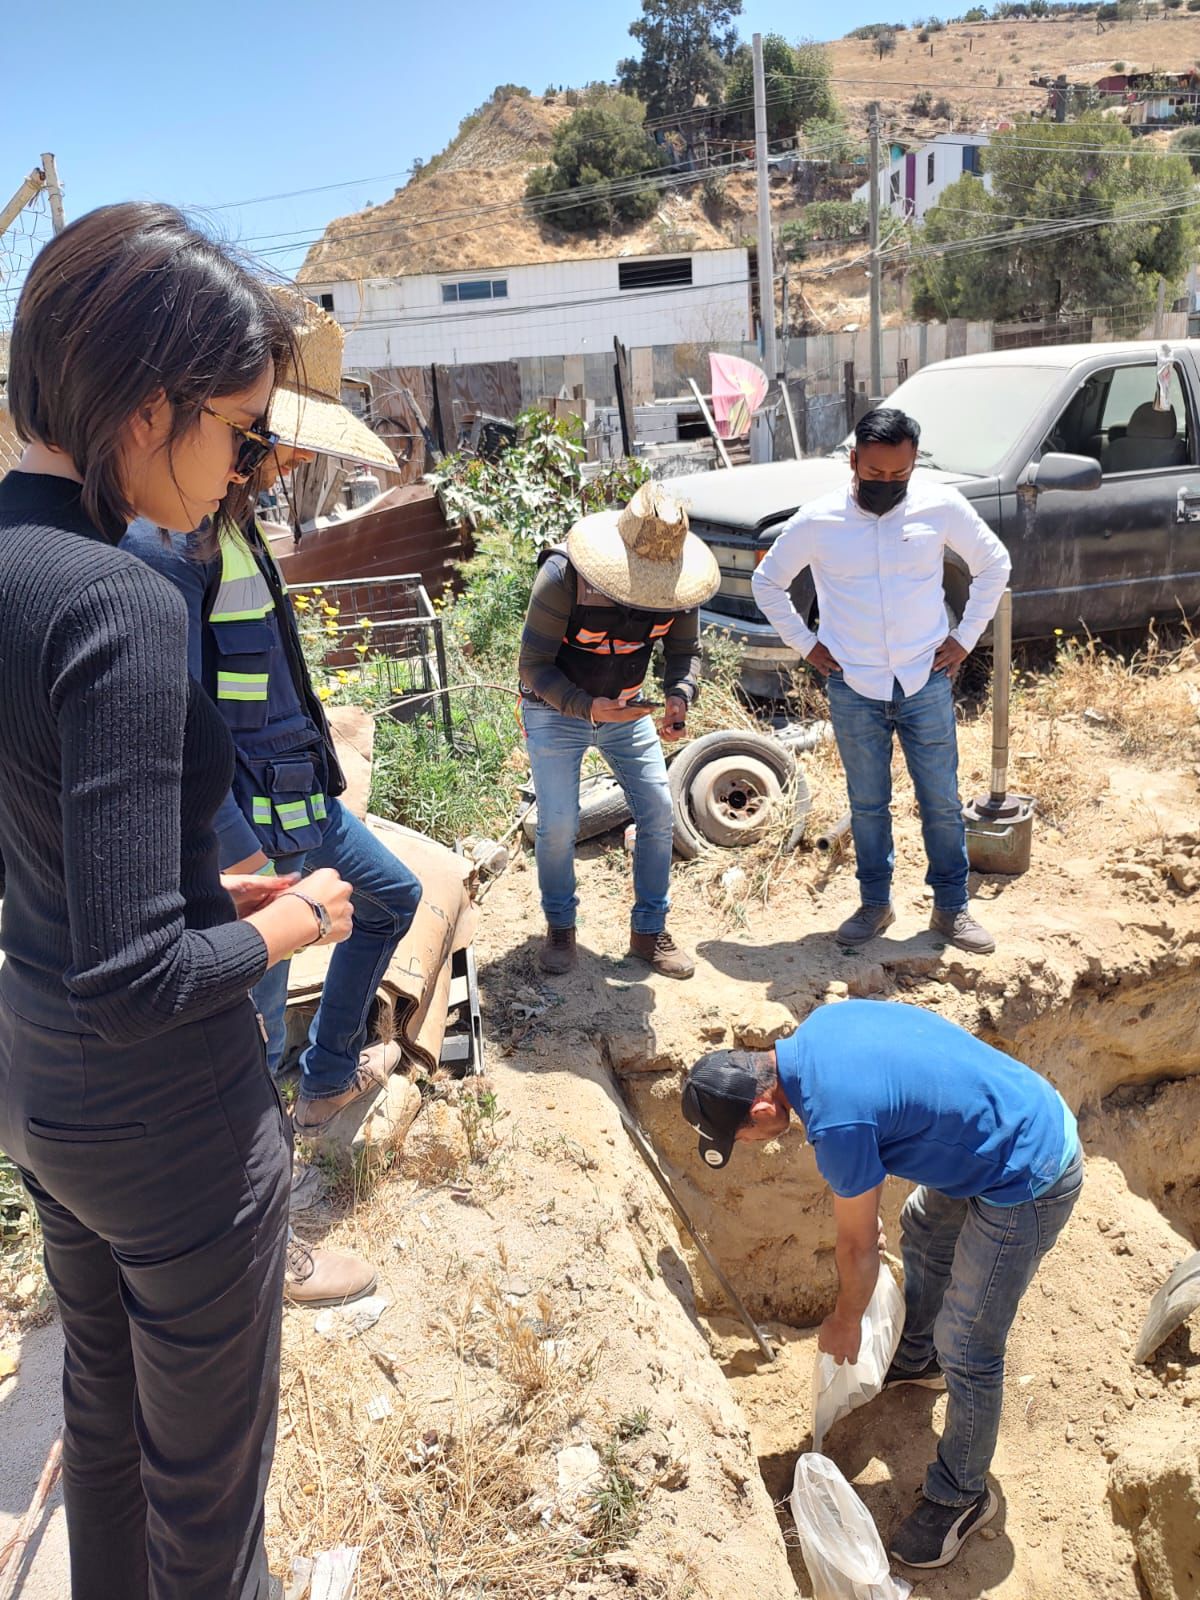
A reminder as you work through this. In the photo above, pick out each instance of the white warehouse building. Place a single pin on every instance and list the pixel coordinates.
(914, 180)
(556, 308)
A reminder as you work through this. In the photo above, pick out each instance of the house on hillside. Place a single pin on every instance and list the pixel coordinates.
(548, 308)
(914, 180)
(1152, 98)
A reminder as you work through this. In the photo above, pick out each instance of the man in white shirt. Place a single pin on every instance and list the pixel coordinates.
(876, 550)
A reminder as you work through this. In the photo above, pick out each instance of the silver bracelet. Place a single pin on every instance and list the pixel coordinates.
(324, 925)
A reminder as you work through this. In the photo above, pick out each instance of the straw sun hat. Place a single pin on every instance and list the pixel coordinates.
(644, 556)
(306, 408)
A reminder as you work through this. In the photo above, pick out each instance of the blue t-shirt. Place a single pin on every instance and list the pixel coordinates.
(884, 1088)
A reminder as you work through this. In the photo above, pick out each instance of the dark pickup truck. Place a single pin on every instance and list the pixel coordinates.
(1020, 433)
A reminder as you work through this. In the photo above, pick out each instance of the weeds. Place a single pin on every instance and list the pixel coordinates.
(480, 1111)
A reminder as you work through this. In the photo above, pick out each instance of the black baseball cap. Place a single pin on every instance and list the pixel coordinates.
(718, 1094)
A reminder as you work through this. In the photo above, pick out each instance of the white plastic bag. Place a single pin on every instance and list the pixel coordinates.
(838, 1390)
(840, 1544)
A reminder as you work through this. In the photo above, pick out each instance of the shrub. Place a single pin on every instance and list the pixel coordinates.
(1187, 144)
(943, 109)
(885, 42)
(1117, 66)
(828, 219)
(935, 25)
(923, 36)
(921, 104)
(601, 144)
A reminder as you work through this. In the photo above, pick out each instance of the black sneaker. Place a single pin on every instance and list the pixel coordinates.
(930, 1376)
(932, 1535)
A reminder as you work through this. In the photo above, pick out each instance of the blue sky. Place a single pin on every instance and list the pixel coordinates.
(221, 102)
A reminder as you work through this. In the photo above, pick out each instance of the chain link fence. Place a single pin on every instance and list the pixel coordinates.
(27, 222)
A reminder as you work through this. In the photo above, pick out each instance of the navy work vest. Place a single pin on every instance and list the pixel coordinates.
(282, 779)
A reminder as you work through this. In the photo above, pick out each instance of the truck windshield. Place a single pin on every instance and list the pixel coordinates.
(972, 416)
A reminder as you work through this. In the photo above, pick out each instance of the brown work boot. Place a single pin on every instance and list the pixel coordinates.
(375, 1065)
(866, 922)
(960, 929)
(558, 952)
(661, 952)
(325, 1277)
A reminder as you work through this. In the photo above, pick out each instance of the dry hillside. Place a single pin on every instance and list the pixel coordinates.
(467, 212)
(985, 69)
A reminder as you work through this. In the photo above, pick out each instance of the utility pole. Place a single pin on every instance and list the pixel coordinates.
(875, 264)
(54, 193)
(766, 263)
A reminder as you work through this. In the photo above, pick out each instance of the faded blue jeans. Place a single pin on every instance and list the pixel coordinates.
(385, 898)
(557, 745)
(924, 724)
(966, 1266)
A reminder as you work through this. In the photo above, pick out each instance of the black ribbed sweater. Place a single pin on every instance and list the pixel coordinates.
(112, 765)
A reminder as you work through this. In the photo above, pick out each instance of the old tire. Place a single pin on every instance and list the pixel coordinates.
(602, 807)
(733, 799)
(761, 759)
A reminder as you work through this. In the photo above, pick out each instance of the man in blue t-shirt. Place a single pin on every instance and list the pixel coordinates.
(891, 1089)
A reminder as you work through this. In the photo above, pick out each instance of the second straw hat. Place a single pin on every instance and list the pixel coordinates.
(644, 556)
(306, 409)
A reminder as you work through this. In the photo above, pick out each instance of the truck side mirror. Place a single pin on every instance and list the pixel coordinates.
(1057, 470)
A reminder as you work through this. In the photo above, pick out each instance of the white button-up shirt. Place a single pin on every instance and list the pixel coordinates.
(879, 583)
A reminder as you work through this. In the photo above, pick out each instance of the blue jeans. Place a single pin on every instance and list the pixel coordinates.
(924, 723)
(556, 749)
(386, 896)
(966, 1266)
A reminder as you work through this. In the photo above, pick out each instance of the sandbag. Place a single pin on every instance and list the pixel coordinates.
(838, 1540)
(838, 1390)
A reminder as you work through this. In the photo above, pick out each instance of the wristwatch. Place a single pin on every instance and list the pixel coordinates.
(324, 925)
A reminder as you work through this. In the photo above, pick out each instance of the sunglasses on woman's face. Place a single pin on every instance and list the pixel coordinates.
(254, 446)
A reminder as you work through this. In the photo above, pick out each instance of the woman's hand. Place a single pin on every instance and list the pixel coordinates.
(327, 889)
(250, 892)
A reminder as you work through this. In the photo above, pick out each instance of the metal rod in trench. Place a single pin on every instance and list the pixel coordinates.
(660, 1177)
(1001, 686)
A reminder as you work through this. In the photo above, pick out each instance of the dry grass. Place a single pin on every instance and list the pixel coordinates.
(1065, 726)
(460, 1506)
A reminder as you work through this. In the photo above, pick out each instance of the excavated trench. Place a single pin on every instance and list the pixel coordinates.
(1126, 1056)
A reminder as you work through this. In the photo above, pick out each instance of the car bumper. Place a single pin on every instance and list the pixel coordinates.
(767, 663)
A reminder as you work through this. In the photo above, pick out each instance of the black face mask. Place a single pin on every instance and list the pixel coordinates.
(880, 495)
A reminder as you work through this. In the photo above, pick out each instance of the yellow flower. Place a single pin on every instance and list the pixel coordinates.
(361, 649)
(325, 692)
(1058, 633)
(343, 677)
(331, 628)
(330, 611)
(318, 591)
(367, 623)
(301, 602)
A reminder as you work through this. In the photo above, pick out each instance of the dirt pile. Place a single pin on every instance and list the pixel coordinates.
(1156, 1494)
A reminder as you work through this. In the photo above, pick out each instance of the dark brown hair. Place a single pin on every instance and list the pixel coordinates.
(130, 300)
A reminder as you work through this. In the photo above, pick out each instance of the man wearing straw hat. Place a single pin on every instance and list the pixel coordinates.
(282, 814)
(623, 582)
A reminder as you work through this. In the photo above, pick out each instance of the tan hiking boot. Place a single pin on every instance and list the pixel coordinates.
(325, 1277)
(375, 1065)
(661, 952)
(866, 922)
(558, 952)
(960, 929)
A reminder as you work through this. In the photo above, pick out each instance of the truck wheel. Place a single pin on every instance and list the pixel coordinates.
(728, 806)
(733, 799)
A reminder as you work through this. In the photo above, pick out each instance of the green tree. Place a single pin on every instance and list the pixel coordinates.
(1187, 144)
(686, 47)
(601, 144)
(798, 84)
(1044, 174)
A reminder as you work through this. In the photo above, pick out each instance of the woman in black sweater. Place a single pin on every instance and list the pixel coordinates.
(133, 1090)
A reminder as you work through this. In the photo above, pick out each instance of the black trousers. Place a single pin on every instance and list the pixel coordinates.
(160, 1172)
